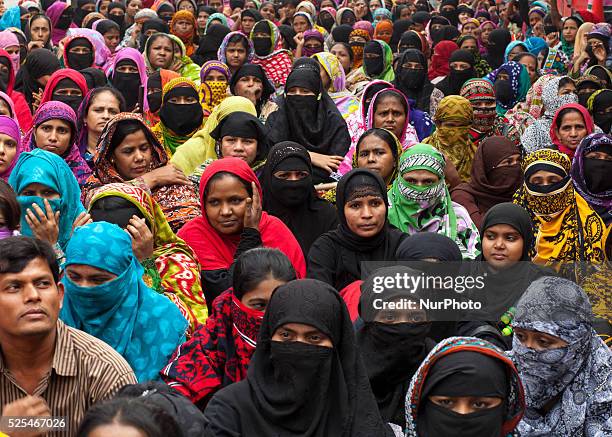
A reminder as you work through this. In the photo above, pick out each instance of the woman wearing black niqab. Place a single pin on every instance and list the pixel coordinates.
(414, 83)
(209, 43)
(295, 201)
(393, 343)
(336, 256)
(297, 385)
(38, 63)
(496, 47)
(310, 120)
(452, 83)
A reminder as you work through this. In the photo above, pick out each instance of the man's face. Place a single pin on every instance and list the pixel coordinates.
(30, 301)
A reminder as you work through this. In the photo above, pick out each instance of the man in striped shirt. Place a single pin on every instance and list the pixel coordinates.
(47, 369)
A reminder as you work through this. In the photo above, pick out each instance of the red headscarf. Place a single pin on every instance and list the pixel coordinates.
(65, 73)
(439, 61)
(588, 121)
(216, 251)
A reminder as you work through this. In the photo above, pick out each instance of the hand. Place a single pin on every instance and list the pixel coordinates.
(252, 214)
(34, 45)
(600, 53)
(142, 238)
(44, 225)
(326, 162)
(538, 30)
(36, 102)
(299, 39)
(28, 406)
(176, 65)
(81, 220)
(166, 175)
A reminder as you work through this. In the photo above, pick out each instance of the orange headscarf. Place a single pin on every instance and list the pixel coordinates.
(187, 38)
(384, 25)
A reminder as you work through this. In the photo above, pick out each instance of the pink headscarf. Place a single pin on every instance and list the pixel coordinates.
(9, 127)
(365, 25)
(8, 39)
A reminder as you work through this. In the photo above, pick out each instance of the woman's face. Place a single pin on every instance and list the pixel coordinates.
(112, 39)
(537, 340)
(471, 45)
(236, 55)
(132, 158)
(568, 88)
(104, 6)
(390, 114)
(469, 29)
(258, 298)
(374, 4)
(133, 6)
(543, 178)
(8, 150)
(53, 136)
(375, 154)
(300, 24)
(531, 66)
(225, 205)
(186, 6)
(183, 26)
(237, 147)
(247, 23)
(519, 48)
(405, 13)
(202, 19)
(421, 178)
(161, 52)
(303, 333)
(572, 130)
(486, 31)
(466, 404)
(267, 11)
(215, 76)
(570, 29)
(88, 276)
(250, 87)
(343, 56)
(502, 246)
(299, 91)
(463, 17)
(599, 154)
(103, 107)
(366, 216)
(40, 30)
(534, 19)
(39, 190)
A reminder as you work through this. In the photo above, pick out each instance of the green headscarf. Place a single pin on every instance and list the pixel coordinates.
(218, 17)
(388, 74)
(416, 208)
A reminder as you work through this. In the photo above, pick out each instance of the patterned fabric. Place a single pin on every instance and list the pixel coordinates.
(515, 402)
(513, 124)
(166, 137)
(519, 79)
(212, 93)
(478, 91)
(567, 229)
(48, 169)
(179, 203)
(219, 352)
(415, 208)
(188, 68)
(345, 101)
(54, 110)
(144, 327)
(579, 373)
(556, 62)
(533, 101)
(588, 144)
(278, 63)
(455, 142)
(172, 259)
(223, 47)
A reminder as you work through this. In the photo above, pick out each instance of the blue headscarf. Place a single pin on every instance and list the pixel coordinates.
(11, 18)
(143, 326)
(512, 45)
(382, 11)
(50, 170)
(535, 45)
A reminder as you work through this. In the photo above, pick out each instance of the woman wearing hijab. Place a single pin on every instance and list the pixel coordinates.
(470, 43)
(20, 108)
(184, 26)
(251, 81)
(67, 86)
(481, 95)
(495, 176)
(511, 82)
(170, 266)
(39, 31)
(214, 77)
(232, 222)
(334, 82)
(155, 85)
(119, 160)
(46, 187)
(393, 343)
(10, 43)
(183, 63)
(591, 173)
(235, 50)
(567, 229)
(461, 64)
(571, 123)
(12, 146)
(378, 61)
(121, 310)
(564, 365)
(127, 75)
(180, 115)
(289, 194)
(389, 109)
(210, 42)
(54, 130)
(269, 53)
(496, 45)
(537, 135)
(306, 331)
(79, 53)
(219, 352)
(453, 119)
(600, 107)
(457, 372)
(60, 15)
(308, 116)
(420, 202)
(412, 80)
(38, 64)
(439, 65)
(363, 234)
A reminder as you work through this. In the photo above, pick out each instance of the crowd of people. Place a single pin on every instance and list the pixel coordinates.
(194, 191)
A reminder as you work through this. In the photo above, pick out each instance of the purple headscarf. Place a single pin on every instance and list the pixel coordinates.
(4, 96)
(8, 39)
(312, 34)
(136, 56)
(9, 127)
(96, 39)
(54, 13)
(221, 52)
(54, 110)
(364, 25)
(209, 66)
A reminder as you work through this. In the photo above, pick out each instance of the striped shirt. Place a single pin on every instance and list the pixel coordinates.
(84, 370)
